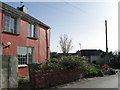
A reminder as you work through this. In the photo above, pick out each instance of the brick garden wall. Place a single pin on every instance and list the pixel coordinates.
(46, 78)
(23, 71)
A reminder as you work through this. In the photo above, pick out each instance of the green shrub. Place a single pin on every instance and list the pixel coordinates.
(93, 70)
(112, 71)
(35, 66)
(91, 73)
(52, 64)
(22, 80)
(100, 72)
(105, 68)
(75, 62)
(97, 66)
(70, 63)
(65, 62)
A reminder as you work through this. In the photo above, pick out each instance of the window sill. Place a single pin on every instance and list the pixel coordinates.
(11, 33)
(22, 65)
(32, 38)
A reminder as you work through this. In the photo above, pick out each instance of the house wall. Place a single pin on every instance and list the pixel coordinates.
(41, 50)
(95, 58)
(0, 32)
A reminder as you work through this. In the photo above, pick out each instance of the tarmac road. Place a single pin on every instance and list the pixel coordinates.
(110, 81)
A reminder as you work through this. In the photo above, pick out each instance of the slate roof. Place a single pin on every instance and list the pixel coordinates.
(8, 9)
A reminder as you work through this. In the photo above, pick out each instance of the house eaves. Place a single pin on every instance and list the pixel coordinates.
(8, 9)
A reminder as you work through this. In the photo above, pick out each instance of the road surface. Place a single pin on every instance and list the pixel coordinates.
(96, 82)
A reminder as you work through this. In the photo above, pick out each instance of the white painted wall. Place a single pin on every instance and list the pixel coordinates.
(95, 58)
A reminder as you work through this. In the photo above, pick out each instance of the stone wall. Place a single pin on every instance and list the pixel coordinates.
(9, 71)
(1, 49)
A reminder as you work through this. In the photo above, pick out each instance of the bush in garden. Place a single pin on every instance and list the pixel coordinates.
(107, 70)
(66, 62)
(112, 71)
(71, 62)
(74, 62)
(22, 80)
(100, 72)
(93, 71)
(52, 64)
(63, 62)
(105, 67)
(37, 66)
(97, 66)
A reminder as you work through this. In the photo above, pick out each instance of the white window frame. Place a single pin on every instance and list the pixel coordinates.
(32, 30)
(17, 29)
(32, 60)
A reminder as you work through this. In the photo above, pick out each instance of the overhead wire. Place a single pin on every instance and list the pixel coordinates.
(75, 7)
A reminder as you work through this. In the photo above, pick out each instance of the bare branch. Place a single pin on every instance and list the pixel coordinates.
(65, 43)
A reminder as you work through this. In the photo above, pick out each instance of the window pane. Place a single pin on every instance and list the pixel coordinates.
(10, 24)
(15, 25)
(29, 30)
(22, 55)
(25, 55)
(30, 55)
(7, 22)
(32, 30)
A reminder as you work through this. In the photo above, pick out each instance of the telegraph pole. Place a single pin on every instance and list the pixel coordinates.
(106, 41)
(106, 36)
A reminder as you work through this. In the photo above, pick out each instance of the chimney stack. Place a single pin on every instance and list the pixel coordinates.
(22, 8)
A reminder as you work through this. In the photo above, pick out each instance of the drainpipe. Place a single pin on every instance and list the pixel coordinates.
(47, 44)
(1, 46)
(1, 49)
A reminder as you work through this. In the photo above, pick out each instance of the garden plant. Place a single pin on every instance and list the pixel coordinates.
(75, 62)
(69, 63)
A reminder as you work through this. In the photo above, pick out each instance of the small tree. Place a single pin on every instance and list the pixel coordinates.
(65, 43)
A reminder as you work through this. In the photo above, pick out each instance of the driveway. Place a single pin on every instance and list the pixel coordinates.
(110, 81)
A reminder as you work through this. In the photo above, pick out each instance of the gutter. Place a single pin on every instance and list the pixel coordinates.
(8, 9)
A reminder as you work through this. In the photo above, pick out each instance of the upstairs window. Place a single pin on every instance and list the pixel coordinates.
(32, 30)
(11, 24)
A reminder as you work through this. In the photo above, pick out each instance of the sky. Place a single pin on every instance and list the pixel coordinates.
(83, 22)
